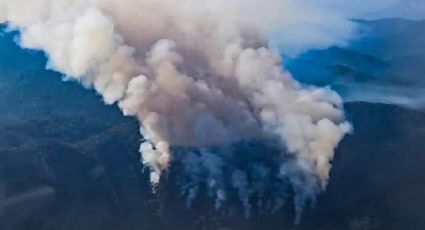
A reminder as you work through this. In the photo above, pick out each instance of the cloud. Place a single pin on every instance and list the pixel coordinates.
(201, 75)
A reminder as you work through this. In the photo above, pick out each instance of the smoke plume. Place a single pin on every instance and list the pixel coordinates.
(201, 76)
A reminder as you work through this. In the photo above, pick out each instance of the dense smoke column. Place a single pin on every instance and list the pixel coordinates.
(200, 75)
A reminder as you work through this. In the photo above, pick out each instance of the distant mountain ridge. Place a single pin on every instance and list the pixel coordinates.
(385, 64)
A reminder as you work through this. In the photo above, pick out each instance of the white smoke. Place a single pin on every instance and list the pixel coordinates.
(200, 74)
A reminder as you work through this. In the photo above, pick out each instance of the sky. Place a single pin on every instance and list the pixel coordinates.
(377, 9)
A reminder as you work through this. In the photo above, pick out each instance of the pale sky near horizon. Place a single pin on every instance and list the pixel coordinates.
(375, 9)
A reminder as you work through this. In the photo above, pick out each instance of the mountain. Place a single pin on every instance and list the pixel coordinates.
(377, 180)
(384, 64)
(67, 161)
